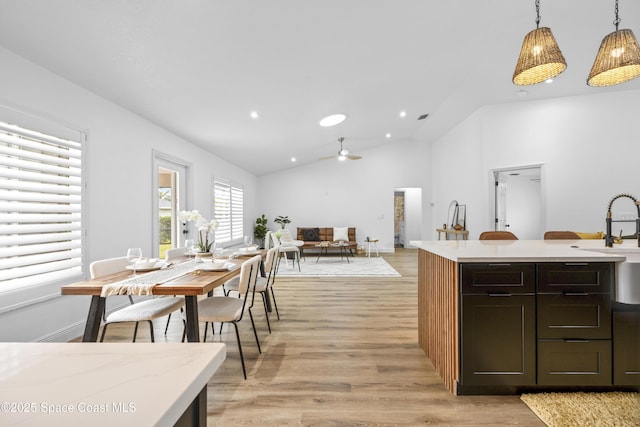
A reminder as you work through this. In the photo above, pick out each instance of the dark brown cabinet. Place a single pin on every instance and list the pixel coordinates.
(574, 324)
(528, 325)
(498, 337)
(626, 348)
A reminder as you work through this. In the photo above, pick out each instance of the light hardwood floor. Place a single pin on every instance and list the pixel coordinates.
(344, 353)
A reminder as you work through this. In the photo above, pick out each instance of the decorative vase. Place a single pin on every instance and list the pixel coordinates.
(201, 256)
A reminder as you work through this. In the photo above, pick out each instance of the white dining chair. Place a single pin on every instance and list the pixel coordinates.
(174, 253)
(143, 311)
(284, 249)
(263, 284)
(226, 309)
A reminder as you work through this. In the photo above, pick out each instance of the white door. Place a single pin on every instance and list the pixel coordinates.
(518, 202)
(170, 197)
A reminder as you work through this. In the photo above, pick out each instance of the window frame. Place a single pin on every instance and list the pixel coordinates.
(18, 295)
(234, 217)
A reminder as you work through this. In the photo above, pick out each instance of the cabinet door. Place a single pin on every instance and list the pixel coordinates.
(574, 316)
(588, 277)
(483, 279)
(498, 340)
(626, 348)
(574, 362)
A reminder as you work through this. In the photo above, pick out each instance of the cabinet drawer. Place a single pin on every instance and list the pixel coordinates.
(507, 278)
(574, 363)
(594, 277)
(574, 316)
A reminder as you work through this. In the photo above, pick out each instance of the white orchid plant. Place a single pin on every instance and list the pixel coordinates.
(205, 227)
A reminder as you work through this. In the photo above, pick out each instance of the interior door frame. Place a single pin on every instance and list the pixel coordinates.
(493, 174)
(167, 161)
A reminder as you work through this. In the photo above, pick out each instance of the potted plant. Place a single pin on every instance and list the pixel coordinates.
(282, 220)
(260, 230)
(205, 228)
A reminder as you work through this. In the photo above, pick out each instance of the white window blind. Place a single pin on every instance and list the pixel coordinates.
(40, 208)
(229, 211)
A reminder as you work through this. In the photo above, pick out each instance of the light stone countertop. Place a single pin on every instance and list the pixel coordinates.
(102, 384)
(529, 250)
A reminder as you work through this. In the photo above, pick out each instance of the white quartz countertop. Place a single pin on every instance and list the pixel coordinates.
(102, 384)
(529, 250)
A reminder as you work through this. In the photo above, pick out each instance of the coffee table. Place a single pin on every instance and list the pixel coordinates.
(345, 250)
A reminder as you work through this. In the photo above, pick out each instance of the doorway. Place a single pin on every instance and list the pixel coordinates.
(170, 196)
(518, 201)
(407, 216)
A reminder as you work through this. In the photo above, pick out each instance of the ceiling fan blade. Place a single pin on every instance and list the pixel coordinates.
(327, 158)
(353, 157)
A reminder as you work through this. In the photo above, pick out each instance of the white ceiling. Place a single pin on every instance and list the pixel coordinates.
(199, 67)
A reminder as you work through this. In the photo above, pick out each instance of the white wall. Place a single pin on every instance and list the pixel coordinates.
(588, 145)
(119, 188)
(351, 193)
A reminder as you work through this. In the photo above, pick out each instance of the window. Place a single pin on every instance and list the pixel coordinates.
(40, 208)
(228, 211)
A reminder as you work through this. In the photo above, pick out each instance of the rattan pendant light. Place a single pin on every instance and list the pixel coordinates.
(540, 57)
(618, 59)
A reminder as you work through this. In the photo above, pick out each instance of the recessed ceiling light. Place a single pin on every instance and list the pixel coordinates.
(549, 81)
(333, 120)
(254, 115)
(388, 135)
(403, 114)
(293, 159)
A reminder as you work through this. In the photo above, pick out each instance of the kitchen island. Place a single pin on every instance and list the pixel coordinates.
(500, 317)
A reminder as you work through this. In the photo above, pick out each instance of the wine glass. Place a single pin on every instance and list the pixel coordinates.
(247, 241)
(189, 245)
(134, 255)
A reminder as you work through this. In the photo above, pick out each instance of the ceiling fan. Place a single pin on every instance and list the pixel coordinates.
(343, 154)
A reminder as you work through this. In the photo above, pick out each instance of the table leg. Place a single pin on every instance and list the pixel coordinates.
(193, 328)
(91, 328)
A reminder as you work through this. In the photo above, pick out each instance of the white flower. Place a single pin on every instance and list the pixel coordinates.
(193, 215)
(208, 226)
(204, 227)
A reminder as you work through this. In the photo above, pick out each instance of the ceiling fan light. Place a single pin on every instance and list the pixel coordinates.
(342, 157)
(343, 152)
(617, 60)
(540, 58)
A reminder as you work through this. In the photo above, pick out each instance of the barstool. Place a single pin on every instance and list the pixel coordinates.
(369, 242)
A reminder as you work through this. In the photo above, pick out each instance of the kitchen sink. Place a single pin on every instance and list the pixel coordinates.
(627, 289)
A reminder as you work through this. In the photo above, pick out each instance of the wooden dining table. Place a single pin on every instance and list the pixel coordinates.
(191, 285)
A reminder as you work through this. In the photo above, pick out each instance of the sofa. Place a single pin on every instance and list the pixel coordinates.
(312, 236)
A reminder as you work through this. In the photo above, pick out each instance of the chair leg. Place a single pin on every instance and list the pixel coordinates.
(244, 370)
(166, 328)
(297, 257)
(151, 330)
(275, 305)
(255, 332)
(135, 332)
(266, 312)
(104, 329)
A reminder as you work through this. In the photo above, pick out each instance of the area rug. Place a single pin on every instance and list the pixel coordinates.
(328, 266)
(611, 409)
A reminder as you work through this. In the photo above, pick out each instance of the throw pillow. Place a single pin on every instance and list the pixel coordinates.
(340, 233)
(311, 234)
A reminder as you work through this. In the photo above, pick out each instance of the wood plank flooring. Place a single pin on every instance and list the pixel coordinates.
(344, 353)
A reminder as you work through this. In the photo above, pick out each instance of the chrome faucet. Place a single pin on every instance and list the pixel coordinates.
(608, 239)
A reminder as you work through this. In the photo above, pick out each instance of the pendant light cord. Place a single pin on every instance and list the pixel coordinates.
(617, 20)
(538, 13)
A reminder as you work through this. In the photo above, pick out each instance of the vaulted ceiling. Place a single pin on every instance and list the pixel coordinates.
(200, 67)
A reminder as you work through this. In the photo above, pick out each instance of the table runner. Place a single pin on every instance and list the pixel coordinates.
(143, 284)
